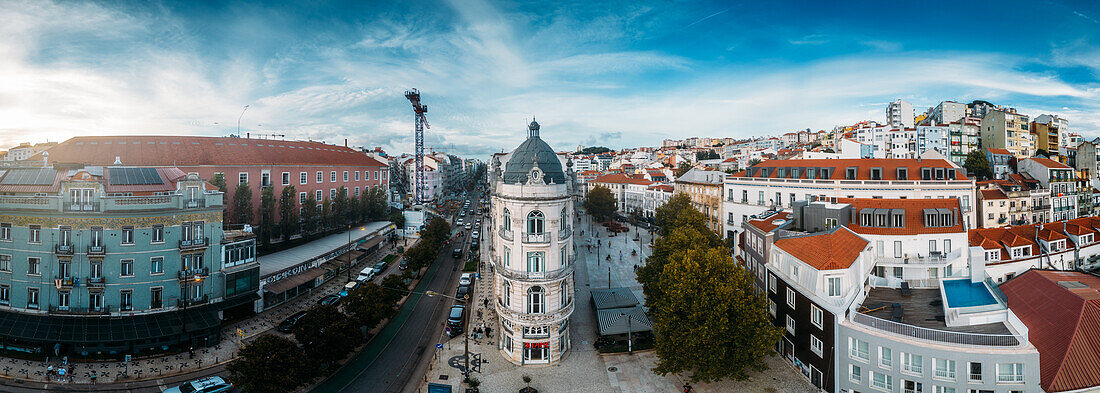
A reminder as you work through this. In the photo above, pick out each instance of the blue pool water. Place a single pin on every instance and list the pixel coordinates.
(963, 293)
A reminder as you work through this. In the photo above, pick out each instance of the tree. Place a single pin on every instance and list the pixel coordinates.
(978, 164)
(326, 214)
(706, 155)
(326, 334)
(288, 212)
(267, 214)
(219, 181)
(309, 216)
(340, 207)
(370, 304)
(600, 203)
(398, 219)
(754, 161)
(271, 363)
(682, 169)
(594, 150)
(710, 322)
(242, 204)
(681, 228)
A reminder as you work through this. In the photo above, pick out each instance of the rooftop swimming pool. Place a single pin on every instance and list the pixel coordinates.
(963, 293)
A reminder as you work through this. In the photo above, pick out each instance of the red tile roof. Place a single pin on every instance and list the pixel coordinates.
(863, 172)
(772, 222)
(620, 178)
(159, 150)
(914, 215)
(1049, 163)
(1063, 324)
(999, 151)
(827, 251)
(993, 194)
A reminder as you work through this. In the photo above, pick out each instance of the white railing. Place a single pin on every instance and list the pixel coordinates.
(553, 317)
(936, 335)
(506, 234)
(525, 275)
(540, 237)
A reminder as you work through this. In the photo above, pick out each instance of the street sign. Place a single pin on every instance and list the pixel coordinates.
(240, 332)
(439, 345)
(127, 358)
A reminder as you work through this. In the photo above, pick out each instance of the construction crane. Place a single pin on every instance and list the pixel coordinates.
(421, 123)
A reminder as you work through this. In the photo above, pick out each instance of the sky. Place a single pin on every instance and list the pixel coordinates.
(617, 74)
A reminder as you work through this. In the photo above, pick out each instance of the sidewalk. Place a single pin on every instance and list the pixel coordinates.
(123, 375)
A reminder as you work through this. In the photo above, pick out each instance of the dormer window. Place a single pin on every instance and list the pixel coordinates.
(903, 173)
(926, 173)
(865, 219)
(794, 173)
(899, 220)
(951, 174)
(876, 173)
(992, 255)
(850, 173)
(939, 173)
(810, 173)
(826, 173)
(782, 173)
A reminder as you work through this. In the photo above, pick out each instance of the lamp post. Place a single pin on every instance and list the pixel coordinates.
(465, 334)
(239, 120)
(629, 333)
(349, 252)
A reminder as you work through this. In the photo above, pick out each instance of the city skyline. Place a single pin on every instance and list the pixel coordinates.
(619, 75)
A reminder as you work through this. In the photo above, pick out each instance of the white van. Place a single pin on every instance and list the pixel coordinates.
(366, 274)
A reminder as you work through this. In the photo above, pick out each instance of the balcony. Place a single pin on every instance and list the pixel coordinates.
(81, 207)
(97, 250)
(1040, 207)
(535, 276)
(506, 234)
(62, 310)
(184, 303)
(564, 233)
(193, 274)
(95, 282)
(536, 238)
(29, 203)
(64, 281)
(194, 203)
(63, 249)
(932, 258)
(191, 244)
(553, 317)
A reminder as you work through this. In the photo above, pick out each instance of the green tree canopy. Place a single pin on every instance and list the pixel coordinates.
(710, 322)
(309, 215)
(267, 214)
(288, 212)
(242, 204)
(594, 150)
(706, 155)
(600, 203)
(370, 304)
(219, 181)
(978, 164)
(273, 364)
(682, 169)
(326, 334)
(340, 208)
(398, 219)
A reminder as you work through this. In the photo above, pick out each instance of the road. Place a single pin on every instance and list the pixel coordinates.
(401, 351)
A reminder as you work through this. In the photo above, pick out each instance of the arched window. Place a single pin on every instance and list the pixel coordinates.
(506, 294)
(536, 303)
(507, 257)
(535, 222)
(536, 262)
(507, 220)
(564, 219)
(565, 293)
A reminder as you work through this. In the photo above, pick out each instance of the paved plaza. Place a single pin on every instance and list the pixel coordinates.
(583, 369)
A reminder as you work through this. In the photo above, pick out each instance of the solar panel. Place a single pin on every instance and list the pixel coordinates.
(134, 176)
(32, 176)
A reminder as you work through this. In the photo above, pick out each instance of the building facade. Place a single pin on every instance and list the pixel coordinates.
(532, 251)
(704, 187)
(1006, 129)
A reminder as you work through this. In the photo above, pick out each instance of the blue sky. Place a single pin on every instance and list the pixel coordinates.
(619, 74)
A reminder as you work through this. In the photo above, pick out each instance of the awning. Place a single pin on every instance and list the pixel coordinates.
(623, 320)
(613, 298)
(293, 281)
(371, 243)
(105, 329)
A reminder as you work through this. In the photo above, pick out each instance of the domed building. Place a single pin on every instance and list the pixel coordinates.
(532, 251)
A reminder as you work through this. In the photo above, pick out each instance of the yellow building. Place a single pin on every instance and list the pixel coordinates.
(1006, 129)
(1046, 137)
(705, 189)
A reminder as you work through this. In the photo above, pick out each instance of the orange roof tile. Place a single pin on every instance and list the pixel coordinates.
(993, 194)
(999, 151)
(1049, 163)
(157, 150)
(772, 222)
(826, 251)
(914, 215)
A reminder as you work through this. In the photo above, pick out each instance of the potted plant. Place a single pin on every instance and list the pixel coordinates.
(528, 389)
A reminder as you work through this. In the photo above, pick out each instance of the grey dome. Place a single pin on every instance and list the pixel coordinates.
(534, 151)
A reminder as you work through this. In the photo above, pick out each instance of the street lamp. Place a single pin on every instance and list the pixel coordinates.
(239, 120)
(629, 333)
(349, 252)
(465, 334)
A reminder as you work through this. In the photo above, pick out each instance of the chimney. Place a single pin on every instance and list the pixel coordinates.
(345, 142)
(118, 160)
(247, 135)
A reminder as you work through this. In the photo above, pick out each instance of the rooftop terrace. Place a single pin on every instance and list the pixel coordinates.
(921, 316)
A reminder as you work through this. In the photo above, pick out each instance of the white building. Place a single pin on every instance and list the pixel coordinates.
(532, 251)
(899, 114)
(947, 112)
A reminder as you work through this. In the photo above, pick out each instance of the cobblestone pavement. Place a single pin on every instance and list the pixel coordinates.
(632, 373)
(173, 364)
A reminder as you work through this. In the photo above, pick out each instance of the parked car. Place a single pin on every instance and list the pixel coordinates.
(473, 244)
(455, 319)
(466, 279)
(348, 287)
(288, 324)
(365, 275)
(463, 292)
(404, 265)
(468, 226)
(457, 253)
(205, 385)
(330, 299)
(379, 268)
(475, 235)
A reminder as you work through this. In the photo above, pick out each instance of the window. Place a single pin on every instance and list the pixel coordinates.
(771, 282)
(127, 300)
(32, 298)
(301, 198)
(319, 196)
(944, 369)
(771, 307)
(760, 198)
(975, 372)
(912, 363)
(850, 173)
(5, 263)
(356, 190)
(833, 284)
(815, 345)
(903, 173)
(536, 300)
(885, 357)
(320, 177)
(791, 297)
(366, 175)
(356, 175)
(855, 373)
(535, 222)
(507, 294)
(95, 300)
(286, 178)
(302, 178)
(345, 175)
(265, 179)
(156, 265)
(243, 178)
(565, 293)
(32, 266)
(5, 231)
(882, 381)
(908, 386)
(1010, 373)
(790, 324)
(944, 389)
(5, 294)
(155, 298)
(816, 315)
(35, 234)
(332, 176)
(126, 268)
(897, 249)
(127, 235)
(536, 262)
(332, 193)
